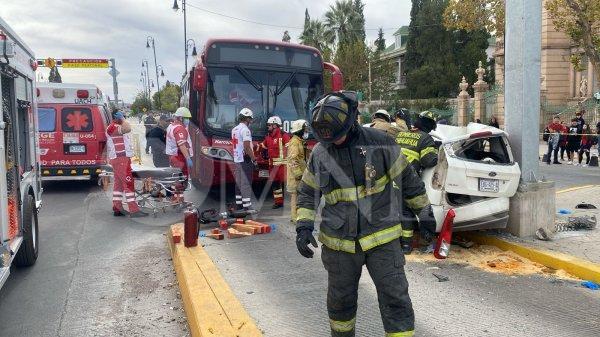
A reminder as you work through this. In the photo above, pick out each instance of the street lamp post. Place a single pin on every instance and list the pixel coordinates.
(191, 44)
(176, 8)
(146, 73)
(148, 40)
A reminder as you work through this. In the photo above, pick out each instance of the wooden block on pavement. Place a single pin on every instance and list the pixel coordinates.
(216, 236)
(233, 233)
(177, 232)
(246, 228)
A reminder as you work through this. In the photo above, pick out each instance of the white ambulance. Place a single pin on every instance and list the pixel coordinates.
(20, 186)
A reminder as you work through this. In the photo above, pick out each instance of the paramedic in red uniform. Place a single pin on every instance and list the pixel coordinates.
(120, 151)
(275, 143)
(179, 144)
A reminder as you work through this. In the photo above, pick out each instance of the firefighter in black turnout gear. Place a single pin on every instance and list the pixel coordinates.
(353, 169)
(420, 150)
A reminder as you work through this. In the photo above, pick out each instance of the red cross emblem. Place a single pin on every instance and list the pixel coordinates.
(77, 121)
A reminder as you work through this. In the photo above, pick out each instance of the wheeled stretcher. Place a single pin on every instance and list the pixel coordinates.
(155, 188)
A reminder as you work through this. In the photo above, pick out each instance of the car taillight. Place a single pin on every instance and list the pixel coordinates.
(480, 134)
(83, 94)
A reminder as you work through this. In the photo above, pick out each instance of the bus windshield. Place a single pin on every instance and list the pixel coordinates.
(289, 95)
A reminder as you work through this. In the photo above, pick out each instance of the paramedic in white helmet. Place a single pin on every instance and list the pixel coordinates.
(244, 159)
(178, 145)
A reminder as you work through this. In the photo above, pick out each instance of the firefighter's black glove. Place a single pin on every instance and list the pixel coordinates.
(304, 237)
(427, 220)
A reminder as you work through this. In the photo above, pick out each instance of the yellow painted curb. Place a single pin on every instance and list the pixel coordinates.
(571, 189)
(581, 268)
(211, 307)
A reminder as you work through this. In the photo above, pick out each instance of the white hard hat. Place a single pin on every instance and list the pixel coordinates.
(245, 112)
(274, 120)
(298, 125)
(383, 113)
(183, 112)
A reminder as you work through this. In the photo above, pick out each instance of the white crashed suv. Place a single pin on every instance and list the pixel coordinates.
(475, 175)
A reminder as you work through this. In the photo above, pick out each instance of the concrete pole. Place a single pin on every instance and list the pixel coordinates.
(115, 84)
(522, 82)
(533, 206)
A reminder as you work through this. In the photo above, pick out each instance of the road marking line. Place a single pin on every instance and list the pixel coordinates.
(211, 307)
(576, 188)
(581, 268)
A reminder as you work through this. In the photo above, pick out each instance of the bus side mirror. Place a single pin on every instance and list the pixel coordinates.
(337, 78)
(200, 78)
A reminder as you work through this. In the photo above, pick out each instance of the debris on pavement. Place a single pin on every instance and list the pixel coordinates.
(493, 260)
(584, 205)
(441, 278)
(591, 285)
(542, 234)
(574, 223)
(564, 211)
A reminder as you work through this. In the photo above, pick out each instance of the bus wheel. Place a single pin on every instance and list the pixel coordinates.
(28, 252)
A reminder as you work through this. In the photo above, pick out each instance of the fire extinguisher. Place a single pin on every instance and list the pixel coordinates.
(190, 231)
(442, 247)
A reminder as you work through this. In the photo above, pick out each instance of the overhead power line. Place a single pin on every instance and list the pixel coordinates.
(270, 24)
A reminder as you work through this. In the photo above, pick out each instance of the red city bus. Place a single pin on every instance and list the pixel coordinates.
(272, 78)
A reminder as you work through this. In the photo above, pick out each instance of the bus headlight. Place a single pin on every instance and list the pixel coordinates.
(217, 153)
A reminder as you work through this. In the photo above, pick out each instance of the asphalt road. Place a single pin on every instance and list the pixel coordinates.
(96, 275)
(566, 176)
(286, 294)
(103, 276)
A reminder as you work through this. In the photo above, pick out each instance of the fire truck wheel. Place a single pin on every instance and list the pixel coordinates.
(196, 183)
(28, 252)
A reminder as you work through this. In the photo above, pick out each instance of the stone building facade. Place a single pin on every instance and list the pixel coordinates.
(561, 84)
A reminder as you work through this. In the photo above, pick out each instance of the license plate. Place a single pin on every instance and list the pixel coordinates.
(489, 185)
(263, 173)
(76, 148)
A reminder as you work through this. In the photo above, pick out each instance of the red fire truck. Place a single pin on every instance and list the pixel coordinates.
(20, 185)
(272, 78)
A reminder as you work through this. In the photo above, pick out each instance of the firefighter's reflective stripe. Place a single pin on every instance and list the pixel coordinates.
(381, 237)
(409, 333)
(347, 246)
(411, 155)
(418, 202)
(305, 214)
(397, 168)
(309, 179)
(342, 326)
(406, 233)
(355, 193)
(428, 150)
(278, 193)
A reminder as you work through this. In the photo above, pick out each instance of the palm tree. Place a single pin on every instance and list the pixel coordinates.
(343, 20)
(316, 35)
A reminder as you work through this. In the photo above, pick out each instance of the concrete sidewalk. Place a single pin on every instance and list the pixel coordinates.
(584, 244)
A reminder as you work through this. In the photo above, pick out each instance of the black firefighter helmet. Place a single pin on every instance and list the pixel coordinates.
(426, 121)
(333, 116)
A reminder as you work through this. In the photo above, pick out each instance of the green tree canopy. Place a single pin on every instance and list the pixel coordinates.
(380, 41)
(431, 66)
(345, 19)
(352, 60)
(169, 97)
(141, 101)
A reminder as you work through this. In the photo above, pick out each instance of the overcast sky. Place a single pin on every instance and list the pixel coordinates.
(118, 28)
